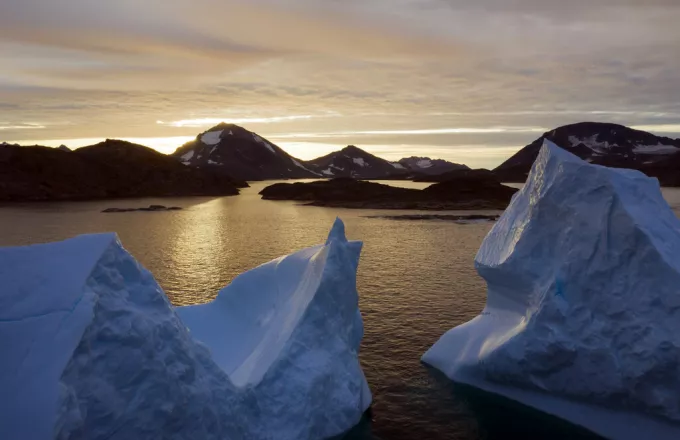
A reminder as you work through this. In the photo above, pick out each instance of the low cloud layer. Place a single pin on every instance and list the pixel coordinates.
(401, 70)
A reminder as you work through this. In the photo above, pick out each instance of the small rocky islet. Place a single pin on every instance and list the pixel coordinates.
(150, 208)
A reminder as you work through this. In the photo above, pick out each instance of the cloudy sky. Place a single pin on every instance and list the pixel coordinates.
(469, 81)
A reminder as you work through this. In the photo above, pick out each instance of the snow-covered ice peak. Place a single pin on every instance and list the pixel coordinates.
(306, 299)
(583, 295)
(337, 232)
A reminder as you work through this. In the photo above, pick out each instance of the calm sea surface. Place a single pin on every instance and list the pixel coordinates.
(416, 280)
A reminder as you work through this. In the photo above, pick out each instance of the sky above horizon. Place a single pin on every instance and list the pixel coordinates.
(467, 81)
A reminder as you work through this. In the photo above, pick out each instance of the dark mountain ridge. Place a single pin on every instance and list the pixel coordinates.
(110, 169)
(604, 144)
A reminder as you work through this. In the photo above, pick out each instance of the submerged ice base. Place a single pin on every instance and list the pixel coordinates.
(581, 319)
(93, 349)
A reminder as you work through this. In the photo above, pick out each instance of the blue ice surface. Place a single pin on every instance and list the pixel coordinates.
(92, 348)
(583, 281)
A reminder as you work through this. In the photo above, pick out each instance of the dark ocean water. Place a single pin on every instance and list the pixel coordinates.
(416, 280)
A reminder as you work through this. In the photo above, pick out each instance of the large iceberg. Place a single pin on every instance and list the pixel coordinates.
(583, 309)
(91, 348)
(290, 330)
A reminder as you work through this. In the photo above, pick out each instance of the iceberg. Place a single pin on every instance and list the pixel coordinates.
(290, 331)
(582, 318)
(92, 348)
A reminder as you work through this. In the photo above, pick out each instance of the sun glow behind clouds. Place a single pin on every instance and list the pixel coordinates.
(207, 122)
(24, 126)
(344, 134)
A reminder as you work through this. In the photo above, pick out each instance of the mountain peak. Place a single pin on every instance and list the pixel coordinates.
(226, 126)
(242, 154)
(352, 162)
(429, 166)
(352, 149)
(601, 143)
(416, 158)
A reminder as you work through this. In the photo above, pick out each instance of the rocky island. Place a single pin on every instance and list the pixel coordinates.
(454, 194)
(150, 208)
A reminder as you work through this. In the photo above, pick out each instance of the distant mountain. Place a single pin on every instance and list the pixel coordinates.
(354, 162)
(241, 154)
(248, 156)
(110, 169)
(603, 144)
(425, 165)
(463, 175)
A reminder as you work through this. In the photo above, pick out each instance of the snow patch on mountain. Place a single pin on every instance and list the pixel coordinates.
(328, 172)
(424, 163)
(360, 161)
(299, 165)
(397, 165)
(187, 156)
(263, 142)
(602, 147)
(211, 137)
(592, 143)
(656, 149)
